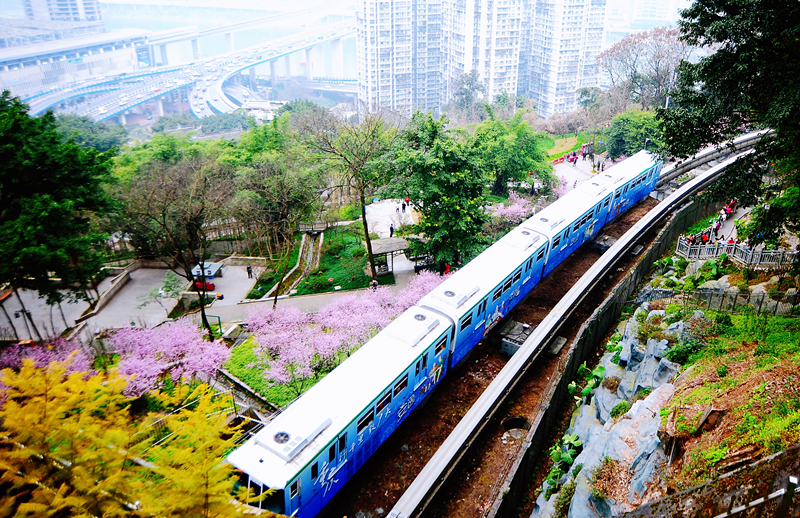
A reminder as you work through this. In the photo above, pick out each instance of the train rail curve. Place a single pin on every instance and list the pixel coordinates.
(425, 487)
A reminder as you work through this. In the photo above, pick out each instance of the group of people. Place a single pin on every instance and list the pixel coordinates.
(711, 235)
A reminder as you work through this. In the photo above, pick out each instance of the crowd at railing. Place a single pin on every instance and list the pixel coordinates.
(709, 244)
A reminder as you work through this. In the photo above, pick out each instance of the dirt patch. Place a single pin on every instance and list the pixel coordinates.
(612, 480)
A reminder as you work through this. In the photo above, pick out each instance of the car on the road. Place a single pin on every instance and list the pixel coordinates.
(102, 109)
(210, 286)
(139, 96)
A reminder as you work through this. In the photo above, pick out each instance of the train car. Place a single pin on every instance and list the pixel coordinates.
(481, 293)
(309, 451)
(632, 180)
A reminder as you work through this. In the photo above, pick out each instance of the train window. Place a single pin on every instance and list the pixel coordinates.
(294, 490)
(332, 453)
(517, 275)
(384, 402)
(365, 421)
(416, 373)
(540, 255)
(605, 204)
(556, 241)
(616, 196)
(343, 443)
(424, 361)
(625, 191)
(507, 286)
(401, 385)
(466, 322)
(440, 346)
(314, 471)
(497, 294)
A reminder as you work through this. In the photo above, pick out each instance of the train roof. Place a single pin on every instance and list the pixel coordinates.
(628, 169)
(554, 218)
(295, 437)
(481, 275)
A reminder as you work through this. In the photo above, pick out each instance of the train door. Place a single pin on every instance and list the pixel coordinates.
(294, 497)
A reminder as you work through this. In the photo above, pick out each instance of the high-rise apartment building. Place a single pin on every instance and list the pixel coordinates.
(482, 35)
(399, 49)
(63, 10)
(565, 38)
(624, 17)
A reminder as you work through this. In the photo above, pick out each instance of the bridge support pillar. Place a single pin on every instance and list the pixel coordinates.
(196, 48)
(229, 41)
(253, 84)
(309, 72)
(160, 105)
(273, 76)
(287, 64)
(122, 119)
(163, 55)
(337, 59)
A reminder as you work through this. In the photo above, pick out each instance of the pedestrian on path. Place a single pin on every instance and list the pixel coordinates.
(374, 285)
(391, 230)
(404, 207)
(249, 272)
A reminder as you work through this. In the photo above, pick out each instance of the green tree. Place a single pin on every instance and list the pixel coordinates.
(632, 131)
(446, 181)
(748, 82)
(510, 149)
(171, 289)
(49, 191)
(85, 132)
(175, 120)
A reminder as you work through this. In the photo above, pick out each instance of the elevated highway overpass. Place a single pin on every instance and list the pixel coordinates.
(115, 96)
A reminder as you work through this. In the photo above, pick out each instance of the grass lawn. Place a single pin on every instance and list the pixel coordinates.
(274, 268)
(344, 260)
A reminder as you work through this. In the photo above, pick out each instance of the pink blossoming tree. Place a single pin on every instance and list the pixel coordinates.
(295, 347)
(43, 353)
(176, 349)
(516, 211)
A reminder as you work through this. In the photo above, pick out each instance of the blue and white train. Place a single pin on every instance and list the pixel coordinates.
(308, 452)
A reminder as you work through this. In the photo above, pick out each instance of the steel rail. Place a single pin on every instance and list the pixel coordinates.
(445, 461)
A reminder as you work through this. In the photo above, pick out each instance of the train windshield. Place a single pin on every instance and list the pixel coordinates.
(261, 496)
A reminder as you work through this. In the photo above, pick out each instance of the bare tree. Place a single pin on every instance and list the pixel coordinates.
(170, 206)
(644, 65)
(355, 149)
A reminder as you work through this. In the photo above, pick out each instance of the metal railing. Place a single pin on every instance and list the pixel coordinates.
(756, 258)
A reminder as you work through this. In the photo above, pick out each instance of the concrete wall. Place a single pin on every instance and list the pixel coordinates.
(590, 335)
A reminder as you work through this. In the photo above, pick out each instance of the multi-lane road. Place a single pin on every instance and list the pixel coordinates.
(107, 97)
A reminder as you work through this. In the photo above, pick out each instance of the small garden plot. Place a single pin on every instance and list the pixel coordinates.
(343, 262)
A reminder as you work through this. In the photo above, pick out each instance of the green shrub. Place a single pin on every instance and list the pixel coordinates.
(620, 409)
(681, 353)
(743, 287)
(317, 282)
(350, 212)
(359, 252)
(689, 285)
(670, 283)
(335, 247)
(722, 370)
(680, 265)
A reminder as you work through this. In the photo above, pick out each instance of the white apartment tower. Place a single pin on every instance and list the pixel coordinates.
(399, 55)
(566, 37)
(482, 35)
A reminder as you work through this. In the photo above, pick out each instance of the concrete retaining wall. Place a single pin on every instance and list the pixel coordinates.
(591, 334)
